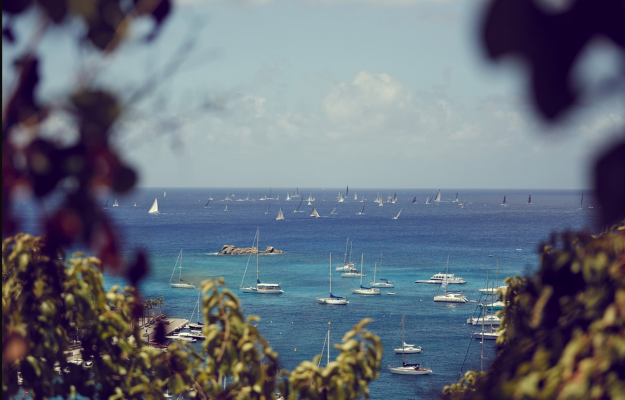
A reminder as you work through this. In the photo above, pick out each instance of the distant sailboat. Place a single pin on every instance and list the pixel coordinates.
(529, 201)
(135, 204)
(504, 201)
(346, 191)
(115, 203)
(164, 193)
(355, 196)
(106, 205)
(581, 203)
(206, 205)
(333, 211)
(280, 216)
(226, 208)
(362, 211)
(301, 200)
(397, 216)
(456, 200)
(154, 208)
(341, 198)
(438, 197)
(267, 210)
(334, 300)
(314, 213)
(427, 201)
(414, 201)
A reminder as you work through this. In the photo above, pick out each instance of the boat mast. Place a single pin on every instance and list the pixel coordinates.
(257, 251)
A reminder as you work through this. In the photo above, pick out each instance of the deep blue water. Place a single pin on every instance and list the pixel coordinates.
(415, 246)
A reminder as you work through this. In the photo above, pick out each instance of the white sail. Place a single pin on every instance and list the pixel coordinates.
(154, 208)
(181, 283)
(115, 204)
(280, 216)
(314, 213)
(438, 196)
(397, 216)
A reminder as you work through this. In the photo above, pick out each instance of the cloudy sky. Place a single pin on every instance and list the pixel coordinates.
(324, 94)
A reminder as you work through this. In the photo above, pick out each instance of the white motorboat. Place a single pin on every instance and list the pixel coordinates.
(486, 335)
(451, 297)
(438, 279)
(181, 337)
(333, 300)
(408, 349)
(486, 320)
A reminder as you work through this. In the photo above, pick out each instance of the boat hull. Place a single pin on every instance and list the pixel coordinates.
(409, 370)
(330, 301)
(366, 292)
(182, 285)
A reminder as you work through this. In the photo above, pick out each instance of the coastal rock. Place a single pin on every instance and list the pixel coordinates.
(231, 250)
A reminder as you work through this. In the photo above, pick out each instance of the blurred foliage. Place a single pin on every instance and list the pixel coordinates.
(563, 328)
(550, 38)
(48, 303)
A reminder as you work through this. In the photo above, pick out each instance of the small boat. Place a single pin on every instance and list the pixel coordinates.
(105, 205)
(199, 324)
(504, 201)
(226, 208)
(486, 320)
(408, 369)
(427, 200)
(280, 216)
(529, 200)
(333, 300)
(347, 265)
(408, 349)
(449, 296)
(414, 201)
(381, 282)
(341, 198)
(259, 288)
(195, 334)
(299, 205)
(439, 278)
(206, 205)
(438, 197)
(397, 216)
(486, 335)
(181, 337)
(367, 291)
(456, 200)
(180, 283)
(391, 293)
(314, 213)
(115, 203)
(362, 211)
(154, 208)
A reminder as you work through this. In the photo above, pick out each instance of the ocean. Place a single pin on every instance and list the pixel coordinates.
(476, 233)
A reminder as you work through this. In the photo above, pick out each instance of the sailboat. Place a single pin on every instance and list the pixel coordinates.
(450, 296)
(394, 198)
(414, 201)
(367, 291)
(299, 205)
(504, 201)
(164, 193)
(362, 211)
(288, 197)
(198, 325)
(226, 208)
(267, 210)
(154, 208)
(427, 200)
(260, 288)
(529, 201)
(397, 216)
(341, 198)
(106, 205)
(456, 200)
(492, 334)
(438, 197)
(295, 194)
(115, 203)
(382, 282)
(334, 300)
(314, 213)
(347, 265)
(355, 196)
(581, 203)
(280, 216)
(407, 369)
(135, 204)
(333, 211)
(206, 205)
(180, 283)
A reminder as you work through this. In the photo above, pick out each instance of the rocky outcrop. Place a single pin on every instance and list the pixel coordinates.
(231, 250)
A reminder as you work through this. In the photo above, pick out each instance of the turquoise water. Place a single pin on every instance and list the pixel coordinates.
(415, 246)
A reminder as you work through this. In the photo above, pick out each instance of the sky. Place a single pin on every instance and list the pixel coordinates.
(324, 94)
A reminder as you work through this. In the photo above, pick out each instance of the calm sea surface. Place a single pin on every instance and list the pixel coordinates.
(414, 246)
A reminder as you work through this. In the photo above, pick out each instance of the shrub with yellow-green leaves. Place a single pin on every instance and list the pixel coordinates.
(563, 327)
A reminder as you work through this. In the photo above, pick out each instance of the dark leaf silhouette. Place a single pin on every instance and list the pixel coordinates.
(610, 184)
(138, 269)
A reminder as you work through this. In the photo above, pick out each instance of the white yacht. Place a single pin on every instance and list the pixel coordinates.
(451, 297)
(408, 349)
(486, 320)
(439, 278)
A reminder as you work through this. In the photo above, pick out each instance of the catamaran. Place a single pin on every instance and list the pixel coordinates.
(260, 288)
(180, 283)
(334, 300)
(154, 208)
(408, 369)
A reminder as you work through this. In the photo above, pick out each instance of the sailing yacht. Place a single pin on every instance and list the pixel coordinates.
(106, 205)
(438, 197)
(397, 216)
(260, 288)
(206, 205)
(504, 201)
(427, 200)
(347, 265)
(198, 325)
(267, 210)
(115, 203)
(180, 283)
(333, 211)
(341, 198)
(299, 205)
(529, 201)
(407, 369)
(314, 213)
(362, 211)
(333, 300)
(367, 291)
(414, 201)
(135, 204)
(382, 282)
(154, 208)
(449, 296)
(456, 200)
(280, 216)
(164, 193)
(226, 208)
